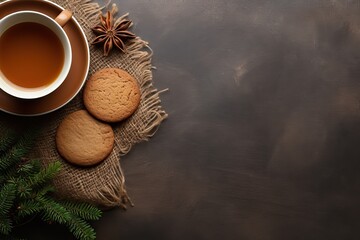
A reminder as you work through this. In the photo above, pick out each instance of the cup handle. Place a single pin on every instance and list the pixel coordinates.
(63, 17)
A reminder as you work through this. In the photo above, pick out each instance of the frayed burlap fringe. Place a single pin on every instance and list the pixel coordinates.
(104, 185)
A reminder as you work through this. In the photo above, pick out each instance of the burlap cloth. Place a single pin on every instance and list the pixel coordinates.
(104, 184)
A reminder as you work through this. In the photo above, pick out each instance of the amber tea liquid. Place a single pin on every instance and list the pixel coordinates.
(31, 55)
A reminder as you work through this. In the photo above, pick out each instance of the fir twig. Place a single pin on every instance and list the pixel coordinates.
(28, 208)
(53, 211)
(83, 210)
(5, 226)
(17, 151)
(7, 139)
(7, 196)
(25, 188)
(81, 229)
(45, 174)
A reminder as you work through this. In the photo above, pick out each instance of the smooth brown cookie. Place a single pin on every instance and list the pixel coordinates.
(83, 140)
(111, 95)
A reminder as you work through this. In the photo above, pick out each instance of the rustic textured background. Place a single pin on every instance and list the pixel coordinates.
(263, 130)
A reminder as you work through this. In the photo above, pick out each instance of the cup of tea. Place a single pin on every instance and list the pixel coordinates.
(35, 53)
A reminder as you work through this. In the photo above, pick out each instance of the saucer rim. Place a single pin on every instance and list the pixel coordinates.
(84, 77)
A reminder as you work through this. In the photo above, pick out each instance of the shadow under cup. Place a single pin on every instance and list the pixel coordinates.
(35, 54)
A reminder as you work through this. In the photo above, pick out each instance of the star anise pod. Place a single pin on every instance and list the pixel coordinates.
(110, 33)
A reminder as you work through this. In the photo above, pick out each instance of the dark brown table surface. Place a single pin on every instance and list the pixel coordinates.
(263, 135)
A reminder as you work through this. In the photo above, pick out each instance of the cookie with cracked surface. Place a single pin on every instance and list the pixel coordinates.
(83, 140)
(111, 95)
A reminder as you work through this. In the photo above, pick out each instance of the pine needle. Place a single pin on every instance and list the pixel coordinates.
(25, 187)
(81, 229)
(54, 211)
(45, 174)
(83, 210)
(28, 208)
(8, 138)
(5, 226)
(7, 196)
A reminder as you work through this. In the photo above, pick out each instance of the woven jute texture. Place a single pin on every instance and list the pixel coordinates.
(104, 184)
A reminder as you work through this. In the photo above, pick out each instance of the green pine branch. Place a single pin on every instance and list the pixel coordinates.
(53, 211)
(16, 152)
(7, 139)
(11, 158)
(44, 175)
(83, 210)
(45, 190)
(7, 175)
(7, 196)
(5, 225)
(28, 208)
(81, 229)
(29, 168)
(26, 192)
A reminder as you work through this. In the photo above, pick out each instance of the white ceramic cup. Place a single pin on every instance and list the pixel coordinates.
(56, 25)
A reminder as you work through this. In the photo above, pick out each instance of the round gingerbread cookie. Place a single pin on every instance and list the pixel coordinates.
(83, 140)
(111, 95)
